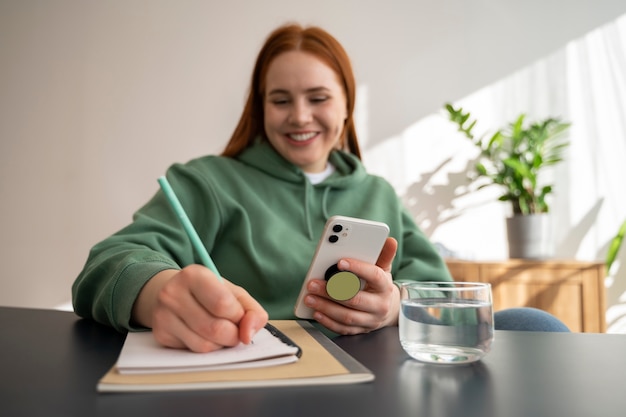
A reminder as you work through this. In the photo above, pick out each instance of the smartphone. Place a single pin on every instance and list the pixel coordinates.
(342, 237)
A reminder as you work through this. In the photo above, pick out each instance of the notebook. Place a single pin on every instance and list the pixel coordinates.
(301, 355)
(142, 354)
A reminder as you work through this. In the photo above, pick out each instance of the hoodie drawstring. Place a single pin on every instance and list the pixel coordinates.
(308, 190)
(324, 202)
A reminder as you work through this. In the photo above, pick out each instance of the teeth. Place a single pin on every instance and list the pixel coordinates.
(302, 136)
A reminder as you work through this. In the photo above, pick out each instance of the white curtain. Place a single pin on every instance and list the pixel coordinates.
(584, 83)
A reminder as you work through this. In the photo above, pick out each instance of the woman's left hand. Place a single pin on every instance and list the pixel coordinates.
(376, 305)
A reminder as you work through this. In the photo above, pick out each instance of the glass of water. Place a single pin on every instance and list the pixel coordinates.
(446, 322)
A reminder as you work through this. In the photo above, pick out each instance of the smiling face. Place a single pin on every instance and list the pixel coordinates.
(304, 109)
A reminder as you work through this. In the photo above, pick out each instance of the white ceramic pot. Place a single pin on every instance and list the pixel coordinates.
(530, 236)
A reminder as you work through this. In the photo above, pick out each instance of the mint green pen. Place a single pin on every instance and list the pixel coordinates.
(191, 232)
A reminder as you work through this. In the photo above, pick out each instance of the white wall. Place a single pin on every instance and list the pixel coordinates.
(98, 98)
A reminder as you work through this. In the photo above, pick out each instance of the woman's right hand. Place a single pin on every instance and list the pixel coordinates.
(193, 309)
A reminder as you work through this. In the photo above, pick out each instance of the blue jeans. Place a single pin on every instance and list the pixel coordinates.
(527, 319)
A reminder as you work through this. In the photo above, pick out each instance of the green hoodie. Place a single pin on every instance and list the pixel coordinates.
(260, 219)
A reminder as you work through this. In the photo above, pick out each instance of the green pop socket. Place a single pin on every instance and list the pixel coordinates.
(341, 285)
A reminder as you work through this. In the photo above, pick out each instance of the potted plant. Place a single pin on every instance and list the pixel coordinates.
(513, 158)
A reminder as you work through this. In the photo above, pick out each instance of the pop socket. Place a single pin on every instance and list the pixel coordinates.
(341, 285)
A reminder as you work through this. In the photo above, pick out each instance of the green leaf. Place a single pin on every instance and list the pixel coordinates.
(469, 128)
(480, 168)
(615, 246)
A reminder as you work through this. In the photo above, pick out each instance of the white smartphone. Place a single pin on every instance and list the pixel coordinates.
(343, 237)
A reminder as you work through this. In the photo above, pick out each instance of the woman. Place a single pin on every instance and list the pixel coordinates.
(292, 162)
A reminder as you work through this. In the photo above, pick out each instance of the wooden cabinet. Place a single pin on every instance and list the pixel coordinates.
(573, 291)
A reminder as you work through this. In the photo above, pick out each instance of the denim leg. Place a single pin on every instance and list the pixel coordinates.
(528, 319)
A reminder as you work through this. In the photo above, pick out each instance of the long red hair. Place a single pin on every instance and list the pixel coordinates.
(293, 37)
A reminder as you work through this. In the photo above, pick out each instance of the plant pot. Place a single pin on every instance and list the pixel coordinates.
(530, 236)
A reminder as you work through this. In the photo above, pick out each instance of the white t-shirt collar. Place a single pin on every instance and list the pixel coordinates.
(317, 177)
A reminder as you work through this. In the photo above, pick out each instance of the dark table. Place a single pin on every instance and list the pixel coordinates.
(51, 361)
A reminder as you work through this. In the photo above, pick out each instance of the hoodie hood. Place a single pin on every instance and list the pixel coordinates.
(349, 172)
(262, 156)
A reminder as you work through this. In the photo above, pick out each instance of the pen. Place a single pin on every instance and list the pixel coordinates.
(191, 232)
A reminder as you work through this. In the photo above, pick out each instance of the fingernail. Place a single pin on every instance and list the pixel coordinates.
(314, 286)
(309, 301)
(343, 265)
(253, 333)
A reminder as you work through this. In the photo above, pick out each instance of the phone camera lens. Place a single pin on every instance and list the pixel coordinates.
(333, 238)
(337, 228)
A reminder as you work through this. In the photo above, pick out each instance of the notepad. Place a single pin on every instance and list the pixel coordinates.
(142, 354)
(322, 362)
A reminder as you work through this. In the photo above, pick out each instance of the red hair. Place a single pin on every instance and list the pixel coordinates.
(315, 41)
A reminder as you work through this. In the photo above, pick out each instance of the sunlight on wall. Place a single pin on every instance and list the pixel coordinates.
(428, 164)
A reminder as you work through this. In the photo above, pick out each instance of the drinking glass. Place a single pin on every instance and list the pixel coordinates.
(446, 322)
